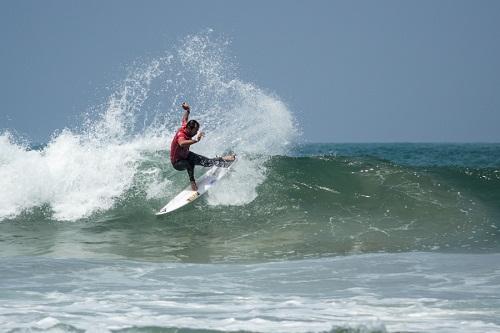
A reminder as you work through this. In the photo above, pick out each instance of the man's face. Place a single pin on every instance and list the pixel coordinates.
(193, 131)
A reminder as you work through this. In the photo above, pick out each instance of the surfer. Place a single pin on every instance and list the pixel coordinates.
(182, 158)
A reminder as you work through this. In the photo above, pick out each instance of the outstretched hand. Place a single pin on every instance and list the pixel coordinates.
(199, 136)
(185, 106)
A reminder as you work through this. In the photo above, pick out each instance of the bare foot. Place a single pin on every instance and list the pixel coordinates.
(194, 187)
(229, 158)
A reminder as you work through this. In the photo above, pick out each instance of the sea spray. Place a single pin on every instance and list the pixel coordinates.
(88, 170)
(79, 173)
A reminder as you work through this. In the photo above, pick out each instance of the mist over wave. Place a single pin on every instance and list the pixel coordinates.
(90, 169)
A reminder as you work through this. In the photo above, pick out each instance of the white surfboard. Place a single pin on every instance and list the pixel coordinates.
(205, 182)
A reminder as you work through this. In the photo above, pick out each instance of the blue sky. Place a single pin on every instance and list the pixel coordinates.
(351, 71)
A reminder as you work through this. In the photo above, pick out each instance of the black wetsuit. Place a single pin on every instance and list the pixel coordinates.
(195, 159)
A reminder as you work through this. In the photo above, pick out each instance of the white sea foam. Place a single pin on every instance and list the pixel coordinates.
(403, 292)
(79, 172)
(240, 186)
(86, 170)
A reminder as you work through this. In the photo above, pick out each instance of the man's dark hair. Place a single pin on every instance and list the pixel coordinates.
(192, 124)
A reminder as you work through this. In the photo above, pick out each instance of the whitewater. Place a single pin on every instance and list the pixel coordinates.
(300, 237)
(86, 170)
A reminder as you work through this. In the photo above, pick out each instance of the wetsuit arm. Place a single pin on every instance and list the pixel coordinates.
(186, 142)
(185, 117)
(187, 109)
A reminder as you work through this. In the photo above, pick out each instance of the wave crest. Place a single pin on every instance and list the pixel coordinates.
(84, 171)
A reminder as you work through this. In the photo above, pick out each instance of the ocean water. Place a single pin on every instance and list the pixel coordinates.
(300, 237)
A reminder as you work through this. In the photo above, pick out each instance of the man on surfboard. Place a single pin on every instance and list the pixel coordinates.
(182, 158)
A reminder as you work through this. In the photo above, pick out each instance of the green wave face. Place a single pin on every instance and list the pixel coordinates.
(321, 206)
(305, 207)
(340, 205)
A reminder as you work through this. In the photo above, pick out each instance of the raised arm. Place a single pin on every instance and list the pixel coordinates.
(187, 109)
(184, 142)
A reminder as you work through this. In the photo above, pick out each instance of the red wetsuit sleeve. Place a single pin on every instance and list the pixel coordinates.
(181, 134)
